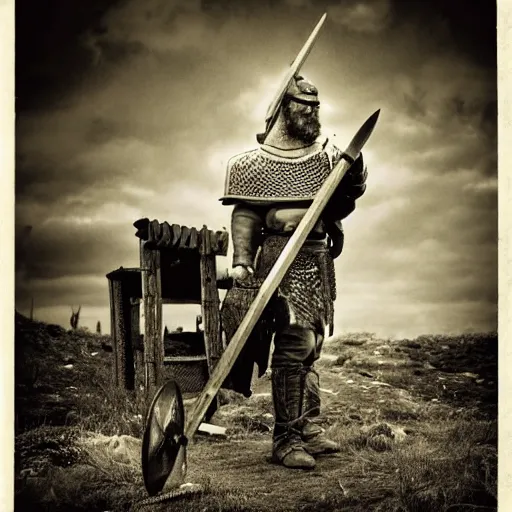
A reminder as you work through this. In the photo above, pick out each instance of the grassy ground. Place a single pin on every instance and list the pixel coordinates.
(416, 420)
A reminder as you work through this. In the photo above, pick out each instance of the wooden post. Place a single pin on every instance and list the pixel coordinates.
(138, 349)
(121, 332)
(210, 306)
(152, 298)
(113, 327)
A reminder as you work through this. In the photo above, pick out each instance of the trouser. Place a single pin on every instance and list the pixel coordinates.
(295, 384)
(295, 345)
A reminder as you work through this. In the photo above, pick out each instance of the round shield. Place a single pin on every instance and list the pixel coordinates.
(163, 442)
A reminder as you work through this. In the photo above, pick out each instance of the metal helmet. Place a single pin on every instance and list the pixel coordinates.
(302, 90)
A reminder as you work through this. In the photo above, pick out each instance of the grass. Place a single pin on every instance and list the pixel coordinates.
(448, 467)
(417, 435)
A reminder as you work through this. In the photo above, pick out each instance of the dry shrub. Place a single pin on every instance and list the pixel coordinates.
(110, 410)
(448, 467)
(81, 488)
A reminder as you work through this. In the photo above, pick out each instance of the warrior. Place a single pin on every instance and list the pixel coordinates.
(270, 189)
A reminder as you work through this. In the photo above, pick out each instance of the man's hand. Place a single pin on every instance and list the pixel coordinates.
(241, 273)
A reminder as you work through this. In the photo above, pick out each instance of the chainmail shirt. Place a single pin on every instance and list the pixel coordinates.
(260, 176)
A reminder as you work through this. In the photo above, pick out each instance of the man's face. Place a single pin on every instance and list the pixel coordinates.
(302, 121)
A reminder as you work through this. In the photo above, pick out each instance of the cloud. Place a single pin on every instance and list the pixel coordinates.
(362, 15)
(63, 290)
(178, 88)
(161, 26)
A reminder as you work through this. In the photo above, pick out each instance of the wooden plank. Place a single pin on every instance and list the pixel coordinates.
(122, 346)
(119, 338)
(145, 263)
(142, 226)
(184, 359)
(166, 237)
(112, 328)
(141, 223)
(128, 353)
(180, 301)
(138, 354)
(213, 430)
(159, 335)
(205, 247)
(214, 242)
(155, 231)
(193, 242)
(153, 339)
(176, 234)
(210, 306)
(185, 234)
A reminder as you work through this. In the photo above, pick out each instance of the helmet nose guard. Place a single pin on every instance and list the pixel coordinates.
(303, 91)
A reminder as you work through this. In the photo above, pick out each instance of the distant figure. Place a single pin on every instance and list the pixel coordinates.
(75, 317)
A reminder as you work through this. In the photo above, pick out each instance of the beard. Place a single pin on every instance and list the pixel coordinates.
(302, 126)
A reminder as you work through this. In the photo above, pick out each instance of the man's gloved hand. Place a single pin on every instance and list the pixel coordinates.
(241, 273)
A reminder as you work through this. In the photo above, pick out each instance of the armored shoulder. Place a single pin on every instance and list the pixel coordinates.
(232, 172)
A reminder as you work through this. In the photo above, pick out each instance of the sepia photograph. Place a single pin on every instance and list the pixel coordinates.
(256, 256)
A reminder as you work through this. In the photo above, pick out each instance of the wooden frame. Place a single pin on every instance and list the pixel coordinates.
(177, 266)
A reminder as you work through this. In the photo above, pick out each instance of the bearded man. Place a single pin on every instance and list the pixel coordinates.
(271, 188)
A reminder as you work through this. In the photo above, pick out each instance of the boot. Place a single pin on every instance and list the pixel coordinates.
(287, 392)
(313, 436)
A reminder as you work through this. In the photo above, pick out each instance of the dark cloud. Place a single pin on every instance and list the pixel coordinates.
(67, 248)
(59, 42)
(50, 53)
(89, 291)
(470, 26)
(151, 98)
(101, 131)
(436, 244)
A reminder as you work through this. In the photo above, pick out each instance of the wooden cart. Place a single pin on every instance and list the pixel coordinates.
(177, 266)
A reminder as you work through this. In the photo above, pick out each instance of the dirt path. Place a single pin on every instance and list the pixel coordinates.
(244, 464)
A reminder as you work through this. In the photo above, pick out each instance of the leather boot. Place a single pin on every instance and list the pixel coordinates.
(313, 436)
(288, 392)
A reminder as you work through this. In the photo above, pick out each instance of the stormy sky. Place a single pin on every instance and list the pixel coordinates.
(129, 109)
